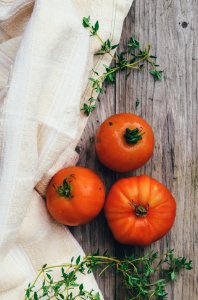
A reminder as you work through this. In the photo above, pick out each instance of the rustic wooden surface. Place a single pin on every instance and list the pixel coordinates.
(170, 106)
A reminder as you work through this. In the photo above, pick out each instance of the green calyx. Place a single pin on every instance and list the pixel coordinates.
(133, 136)
(64, 190)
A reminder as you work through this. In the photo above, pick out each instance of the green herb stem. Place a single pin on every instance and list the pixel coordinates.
(136, 275)
(137, 58)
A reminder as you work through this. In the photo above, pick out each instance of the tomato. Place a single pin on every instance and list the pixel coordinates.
(75, 195)
(124, 142)
(139, 210)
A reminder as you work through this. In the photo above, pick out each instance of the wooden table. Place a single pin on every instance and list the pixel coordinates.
(170, 106)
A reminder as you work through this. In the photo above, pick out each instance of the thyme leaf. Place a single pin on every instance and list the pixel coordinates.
(157, 75)
(133, 58)
(136, 272)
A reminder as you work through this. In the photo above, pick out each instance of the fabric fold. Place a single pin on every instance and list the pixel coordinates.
(43, 82)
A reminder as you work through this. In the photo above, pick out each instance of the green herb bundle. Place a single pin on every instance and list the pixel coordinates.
(133, 58)
(137, 274)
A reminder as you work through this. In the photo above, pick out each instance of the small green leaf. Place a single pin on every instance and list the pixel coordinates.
(114, 46)
(109, 44)
(188, 265)
(110, 78)
(88, 108)
(27, 294)
(133, 43)
(94, 29)
(96, 296)
(96, 26)
(173, 276)
(157, 75)
(81, 287)
(48, 276)
(86, 22)
(78, 260)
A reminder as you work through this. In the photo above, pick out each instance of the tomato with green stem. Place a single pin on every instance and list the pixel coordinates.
(124, 142)
(139, 210)
(75, 196)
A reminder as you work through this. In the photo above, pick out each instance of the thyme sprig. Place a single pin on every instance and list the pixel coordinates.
(133, 58)
(137, 275)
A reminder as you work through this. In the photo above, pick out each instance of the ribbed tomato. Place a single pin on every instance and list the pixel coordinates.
(139, 210)
(75, 195)
(124, 142)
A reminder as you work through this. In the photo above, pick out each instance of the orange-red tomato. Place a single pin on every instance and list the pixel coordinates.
(139, 210)
(75, 195)
(124, 142)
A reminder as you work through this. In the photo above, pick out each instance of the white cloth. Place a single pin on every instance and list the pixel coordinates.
(45, 57)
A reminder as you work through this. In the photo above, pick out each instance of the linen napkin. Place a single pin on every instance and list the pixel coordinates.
(45, 61)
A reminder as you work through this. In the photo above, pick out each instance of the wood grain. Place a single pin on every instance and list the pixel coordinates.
(170, 106)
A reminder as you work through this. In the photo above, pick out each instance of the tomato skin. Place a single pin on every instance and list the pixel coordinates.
(139, 191)
(87, 196)
(113, 150)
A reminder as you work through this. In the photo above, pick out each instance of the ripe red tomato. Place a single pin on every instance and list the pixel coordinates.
(75, 195)
(124, 142)
(139, 210)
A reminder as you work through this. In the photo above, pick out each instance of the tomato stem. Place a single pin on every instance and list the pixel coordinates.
(140, 210)
(133, 136)
(64, 190)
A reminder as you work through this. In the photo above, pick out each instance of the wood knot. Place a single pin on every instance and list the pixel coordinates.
(184, 24)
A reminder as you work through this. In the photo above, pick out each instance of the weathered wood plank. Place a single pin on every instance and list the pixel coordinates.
(170, 106)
